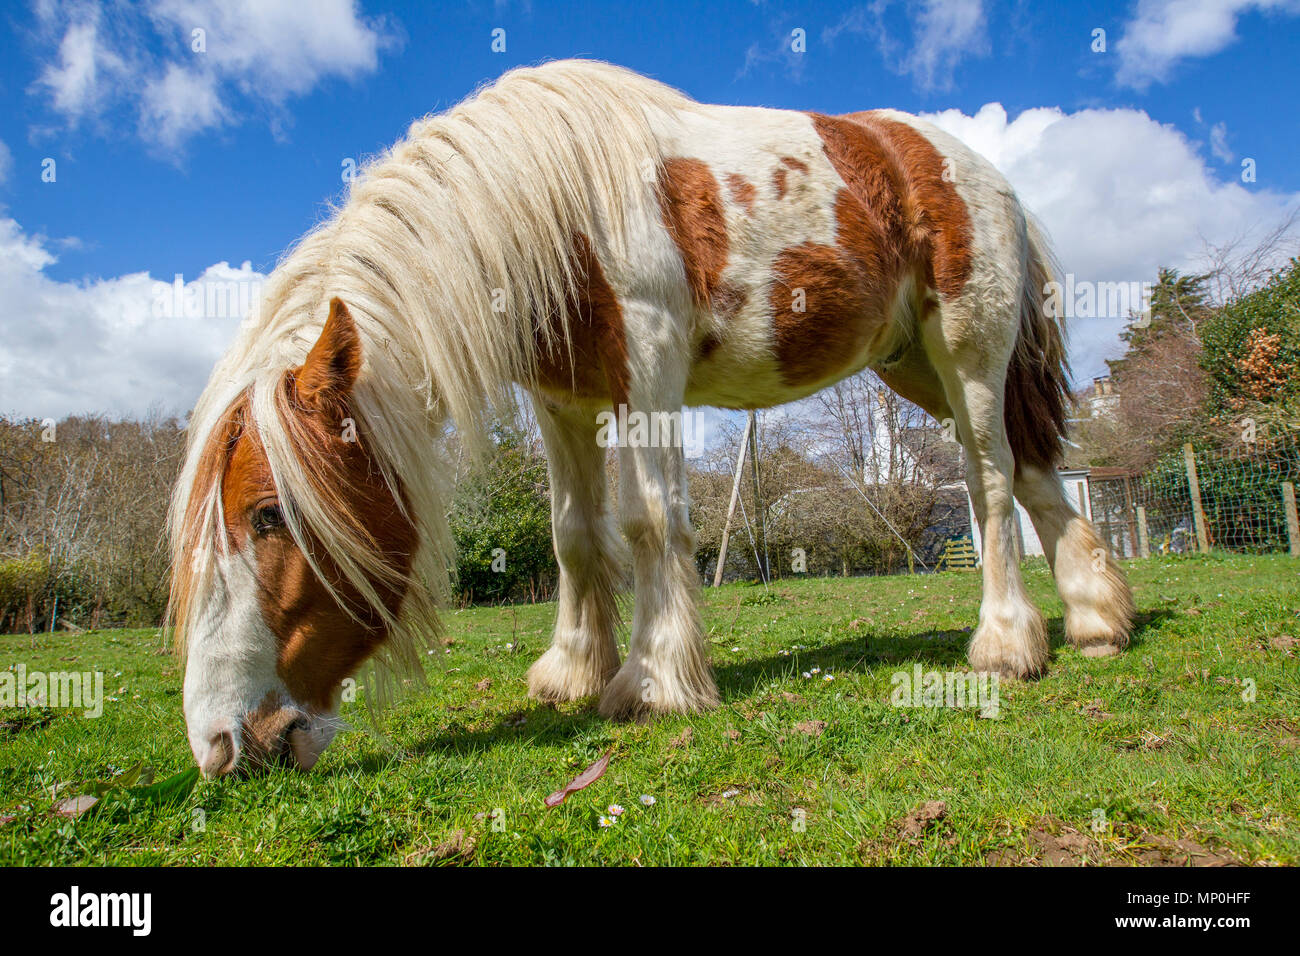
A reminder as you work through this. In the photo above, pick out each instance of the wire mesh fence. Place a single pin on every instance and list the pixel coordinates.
(1237, 498)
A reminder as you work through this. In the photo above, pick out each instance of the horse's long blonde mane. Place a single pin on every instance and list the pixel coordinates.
(452, 253)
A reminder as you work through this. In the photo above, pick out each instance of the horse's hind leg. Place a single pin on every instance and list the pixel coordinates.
(1098, 603)
(971, 359)
(583, 655)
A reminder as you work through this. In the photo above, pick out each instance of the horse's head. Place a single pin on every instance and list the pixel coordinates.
(292, 559)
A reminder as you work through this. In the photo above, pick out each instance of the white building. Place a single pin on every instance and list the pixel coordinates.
(1077, 492)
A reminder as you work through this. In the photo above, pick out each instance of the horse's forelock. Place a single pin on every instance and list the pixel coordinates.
(197, 515)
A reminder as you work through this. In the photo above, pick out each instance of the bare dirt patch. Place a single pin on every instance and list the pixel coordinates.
(922, 820)
(1053, 843)
(459, 846)
(1151, 850)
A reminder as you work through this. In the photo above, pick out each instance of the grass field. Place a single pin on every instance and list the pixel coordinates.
(1163, 755)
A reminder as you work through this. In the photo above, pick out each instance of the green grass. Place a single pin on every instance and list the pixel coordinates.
(1161, 739)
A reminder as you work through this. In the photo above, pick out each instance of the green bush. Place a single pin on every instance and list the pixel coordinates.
(1225, 336)
(501, 522)
(1241, 497)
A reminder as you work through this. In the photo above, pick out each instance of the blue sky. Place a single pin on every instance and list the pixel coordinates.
(173, 161)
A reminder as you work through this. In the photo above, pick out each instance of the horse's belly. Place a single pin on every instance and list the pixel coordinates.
(769, 358)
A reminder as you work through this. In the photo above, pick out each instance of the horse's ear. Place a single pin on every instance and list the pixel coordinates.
(334, 362)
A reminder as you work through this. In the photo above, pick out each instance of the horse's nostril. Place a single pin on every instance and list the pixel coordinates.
(281, 749)
(267, 734)
(221, 756)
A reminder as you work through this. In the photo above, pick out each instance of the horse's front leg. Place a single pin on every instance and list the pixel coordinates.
(583, 655)
(667, 666)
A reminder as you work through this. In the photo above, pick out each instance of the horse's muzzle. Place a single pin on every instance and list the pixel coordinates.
(268, 737)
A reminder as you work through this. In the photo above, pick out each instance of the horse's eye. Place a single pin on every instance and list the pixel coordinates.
(267, 518)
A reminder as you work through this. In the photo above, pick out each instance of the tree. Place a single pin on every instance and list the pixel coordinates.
(1160, 383)
(1252, 352)
(501, 523)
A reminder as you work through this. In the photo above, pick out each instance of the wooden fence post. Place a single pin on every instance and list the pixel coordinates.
(760, 513)
(1292, 521)
(1198, 513)
(731, 508)
(1144, 542)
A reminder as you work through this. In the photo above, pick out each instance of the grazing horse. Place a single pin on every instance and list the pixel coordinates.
(598, 239)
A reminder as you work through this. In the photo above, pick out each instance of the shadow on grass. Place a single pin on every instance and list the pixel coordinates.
(542, 724)
(943, 649)
(546, 725)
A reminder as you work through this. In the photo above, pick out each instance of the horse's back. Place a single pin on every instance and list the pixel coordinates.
(825, 239)
(794, 249)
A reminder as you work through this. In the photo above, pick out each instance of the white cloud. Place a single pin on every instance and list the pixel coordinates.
(79, 82)
(6, 162)
(179, 104)
(778, 48)
(254, 56)
(1163, 32)
(1120, 195)
(944, 32)
(119, 345)
(1219, 143)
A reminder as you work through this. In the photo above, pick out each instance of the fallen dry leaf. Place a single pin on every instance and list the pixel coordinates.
(584, 779)
(684, 738)
(812, 728)
(75, 806)
(484, 684)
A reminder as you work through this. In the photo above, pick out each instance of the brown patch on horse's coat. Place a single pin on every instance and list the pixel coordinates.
(896, 219)
(319, 642)
(742, 191)
(691, 206)
(838, 301)
(866, 163)
(593, 363)
(943, 214)
(781, 172)
(848, 287)
(898, 176)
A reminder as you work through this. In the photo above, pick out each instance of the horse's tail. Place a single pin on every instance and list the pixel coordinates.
(1037, 390)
